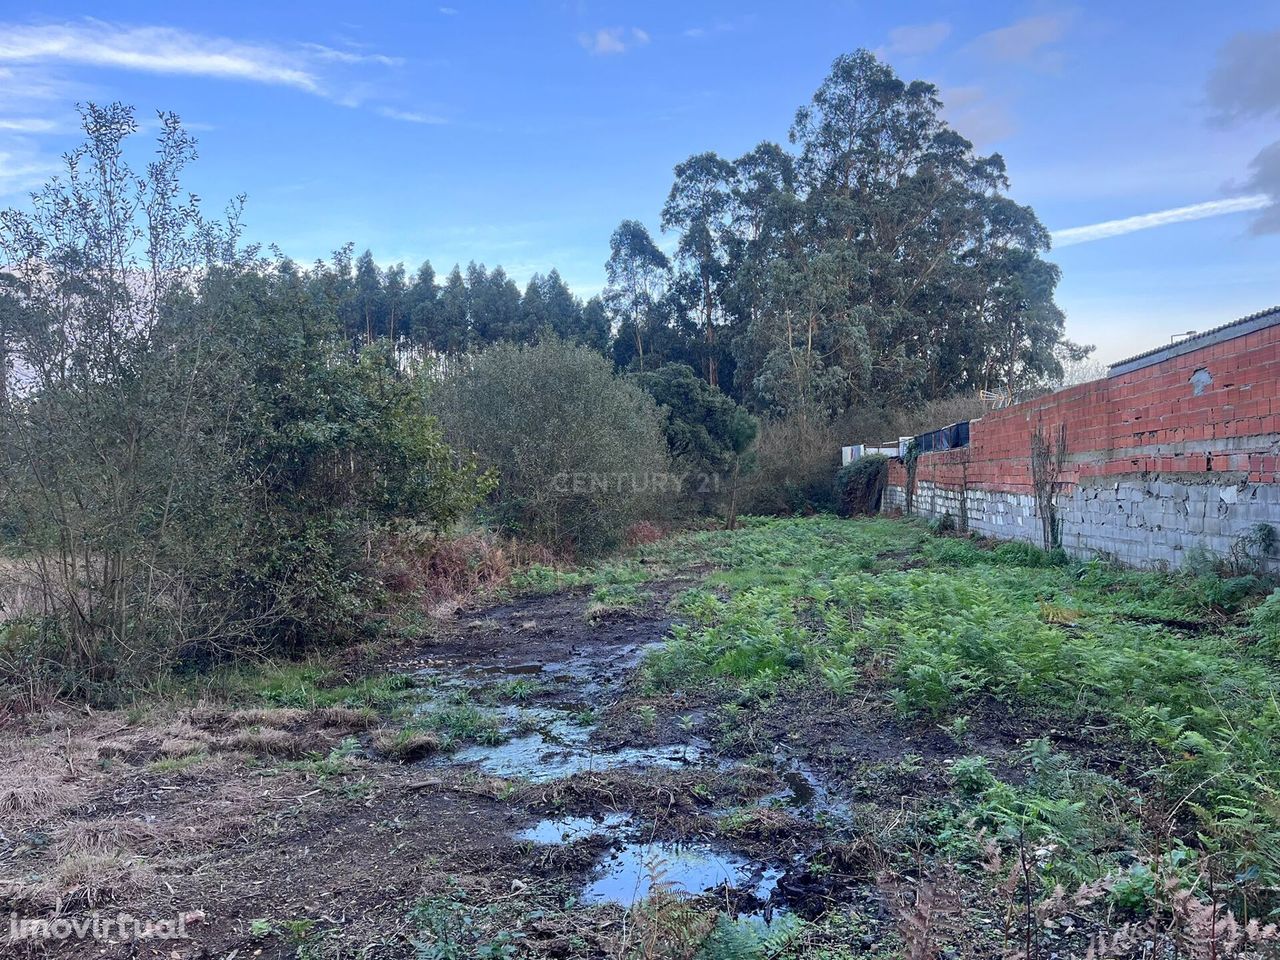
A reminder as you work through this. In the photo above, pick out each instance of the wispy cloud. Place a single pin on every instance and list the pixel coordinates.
(45, 66)
(1025, 41)
(411, 116)
(977, 115)
(1161, 218)
(154, 50)
(23, 171)
(720, 26)
(916, 40)
(28, 125)
(321, 52)
(613, 40)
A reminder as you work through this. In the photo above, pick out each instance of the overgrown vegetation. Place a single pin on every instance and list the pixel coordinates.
(192, 463)
(581, 451)
(860, 485)
(940, 628)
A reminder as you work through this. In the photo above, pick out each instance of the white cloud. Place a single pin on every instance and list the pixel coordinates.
(720, 26)
(27, 125)
(448, 11)
(322, 52)
(1161, 218)
(917, 40)
(155, 50)
(20, 172)
(411, 116)
(1025, 40)
(976, 115)
(611, 40)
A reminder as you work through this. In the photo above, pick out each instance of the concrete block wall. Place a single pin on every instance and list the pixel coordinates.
(1179, 448)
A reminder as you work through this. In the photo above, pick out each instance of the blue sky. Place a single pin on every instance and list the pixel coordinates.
(520, 134)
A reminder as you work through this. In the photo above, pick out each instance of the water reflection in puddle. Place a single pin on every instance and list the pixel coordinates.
(629, 873)
(564, 830)
(542, 756)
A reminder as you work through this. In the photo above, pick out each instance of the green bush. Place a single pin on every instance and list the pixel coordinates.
(1265, 617)
(794, 460)
(580, 452)
(708, 434)
(860, 485)
(198, 464)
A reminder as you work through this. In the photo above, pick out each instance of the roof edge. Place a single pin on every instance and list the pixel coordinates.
(1228, 331)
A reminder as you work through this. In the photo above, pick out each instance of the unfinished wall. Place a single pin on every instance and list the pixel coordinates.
(1177, 448)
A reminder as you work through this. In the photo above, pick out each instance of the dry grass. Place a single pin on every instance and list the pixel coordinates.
(277, 717)
(20, 593)
(81, 880)
(446, 572)
(643, 532)
(91, 879)
(271, 742)
(179, 747)
(36, 786)
(761, 822)
(406, 745)
(345, 718)
(98, 837)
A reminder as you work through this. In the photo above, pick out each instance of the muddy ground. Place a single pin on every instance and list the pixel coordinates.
(524, 797)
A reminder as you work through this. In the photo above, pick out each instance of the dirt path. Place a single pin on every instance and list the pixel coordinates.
(292, 832)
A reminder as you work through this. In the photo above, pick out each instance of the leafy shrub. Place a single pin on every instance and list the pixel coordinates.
(795, 459)
(860, 485)
(943, 525)
(580, 452)
(1019, 554)
(971, 776)
(1265, 617)
(1134, 889)
(955, 553)
(197, 463)
(707, 433)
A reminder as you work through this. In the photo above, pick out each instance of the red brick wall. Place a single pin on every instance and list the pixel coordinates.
(1143, 422)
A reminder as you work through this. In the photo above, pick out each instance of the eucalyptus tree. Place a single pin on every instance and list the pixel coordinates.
(879, 260)
(369, 298)
(452, 332)
(697, 206)
(639, 276)
(421, 303)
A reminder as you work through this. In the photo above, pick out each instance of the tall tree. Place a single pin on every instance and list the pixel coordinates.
(452, 332)
(395, 292)
(420, 306)
(369, 302)
(639, 275)
(697, 206)
(596, 328)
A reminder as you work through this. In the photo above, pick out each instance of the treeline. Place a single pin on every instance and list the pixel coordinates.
(463, 312)
(206, 450)
(877, 262)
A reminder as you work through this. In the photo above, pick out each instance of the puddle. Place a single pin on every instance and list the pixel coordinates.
(547, 755)
(565, 830)
(802, 791)
(808, 790)
(628, 874)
